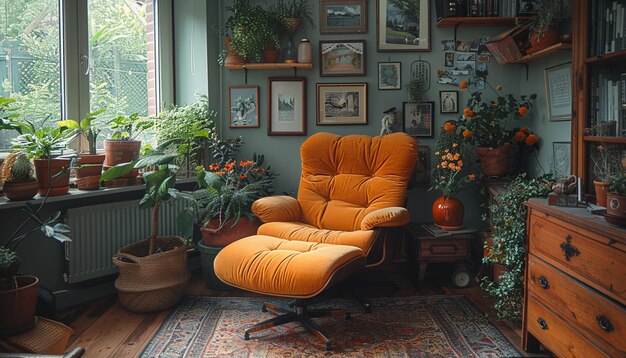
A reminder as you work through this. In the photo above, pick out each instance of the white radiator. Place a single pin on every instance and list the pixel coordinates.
(99, 231)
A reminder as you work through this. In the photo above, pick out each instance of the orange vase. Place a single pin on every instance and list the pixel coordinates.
(448, 213)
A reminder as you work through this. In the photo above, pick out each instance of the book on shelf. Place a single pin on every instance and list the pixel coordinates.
(608, 27)
(607, 107)
(475, 8)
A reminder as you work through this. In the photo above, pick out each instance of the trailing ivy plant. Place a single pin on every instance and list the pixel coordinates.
(508, 217)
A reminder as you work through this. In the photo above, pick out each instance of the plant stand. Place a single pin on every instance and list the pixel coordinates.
(208, 254)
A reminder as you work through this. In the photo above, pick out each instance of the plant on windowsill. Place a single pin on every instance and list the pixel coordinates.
(616, 200)
(89, 167)
(123, 146)
(507, 247)
(16, 172)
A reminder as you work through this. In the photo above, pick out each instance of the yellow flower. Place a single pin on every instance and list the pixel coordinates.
(436, 153)
(447, 150)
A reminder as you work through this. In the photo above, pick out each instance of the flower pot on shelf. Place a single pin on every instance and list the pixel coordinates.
(46, 171)
(494, 162)
(121, 151)
(20, 190)
(207, 258)
(448, 213)
(540, 40)
(615, 209)
(602, 188)
(214, 236)
(17, 306)
(232, 58)
(270, 54)
(89, 171)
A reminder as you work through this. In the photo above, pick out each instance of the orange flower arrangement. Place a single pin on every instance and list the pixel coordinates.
(447, 175)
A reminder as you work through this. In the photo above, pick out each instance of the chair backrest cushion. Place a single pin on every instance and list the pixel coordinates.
(345, 178)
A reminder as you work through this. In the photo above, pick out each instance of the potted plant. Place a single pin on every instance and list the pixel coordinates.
(616, 200)
(18, 293)
(252, 30)
(486, 125)
(606, 163)
(222, 206)
(186, 129)
(543, 25)
(448, 178)
(290, 15)
(153, 272)
(16, 172)
(41, 144)
(123, 146)
(89, 166)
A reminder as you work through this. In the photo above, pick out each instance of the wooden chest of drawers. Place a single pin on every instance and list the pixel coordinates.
(575, 283)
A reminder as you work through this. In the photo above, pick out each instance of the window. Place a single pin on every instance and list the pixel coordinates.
(116, 60)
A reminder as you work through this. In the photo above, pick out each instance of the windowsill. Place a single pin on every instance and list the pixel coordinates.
(75, 194)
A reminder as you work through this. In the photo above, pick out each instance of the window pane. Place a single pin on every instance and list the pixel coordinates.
(30, 60)
(122, 54)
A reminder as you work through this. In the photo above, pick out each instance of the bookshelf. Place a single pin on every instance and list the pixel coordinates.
(599, 84)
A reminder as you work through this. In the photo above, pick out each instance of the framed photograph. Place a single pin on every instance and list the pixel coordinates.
(244, 108)
(559, 92)
(389, 75)
(403, 25)
(342, 58)
(561, 159)
(449, 101)
(287, 106)
(341, 103)
(417, 118)
(343, 16)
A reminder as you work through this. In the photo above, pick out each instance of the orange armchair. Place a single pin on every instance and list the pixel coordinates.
(351, 187)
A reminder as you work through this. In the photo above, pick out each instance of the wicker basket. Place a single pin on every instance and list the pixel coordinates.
(155, 282)
(47, 337)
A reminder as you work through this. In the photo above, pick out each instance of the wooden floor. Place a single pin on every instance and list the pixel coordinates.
(105, 329)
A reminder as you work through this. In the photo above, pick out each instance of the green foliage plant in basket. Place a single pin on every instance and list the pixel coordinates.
(449, 177)
(487, 125)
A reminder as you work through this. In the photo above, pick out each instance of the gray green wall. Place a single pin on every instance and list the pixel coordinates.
(282, 152)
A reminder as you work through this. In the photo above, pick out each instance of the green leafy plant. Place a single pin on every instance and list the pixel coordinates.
(448, 176)
(488, 123)
(508, 217)
(549, 14)
(617, 184)
(226, 191)
(41, 143)
(129, 127)
(252, 29)
(86, 126)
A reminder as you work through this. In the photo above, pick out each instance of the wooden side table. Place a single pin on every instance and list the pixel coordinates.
(424, 248)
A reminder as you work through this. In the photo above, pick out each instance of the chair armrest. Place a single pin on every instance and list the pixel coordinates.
(276, 208)
(387, 217)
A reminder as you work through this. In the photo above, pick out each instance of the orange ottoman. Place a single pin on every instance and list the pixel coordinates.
(287, 268)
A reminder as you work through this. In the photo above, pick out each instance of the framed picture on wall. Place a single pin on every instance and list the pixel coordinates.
(389, 75)
(418, 118)
(287, 106)
(561, 158)
(343, 16)
(405, 27)
(342, 58)
(243, 102)
(341, 103)
(449, 101)
(559, 92)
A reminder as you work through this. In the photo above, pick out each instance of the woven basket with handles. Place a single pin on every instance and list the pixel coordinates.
(155, 282)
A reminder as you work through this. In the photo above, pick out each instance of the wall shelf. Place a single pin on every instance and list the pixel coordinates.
(271, 66)
(611, 56)
(561, 46)
(492, 21)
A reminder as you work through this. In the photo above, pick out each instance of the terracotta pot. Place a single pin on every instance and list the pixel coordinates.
(602, 188)
(88, 176)
(212, 236)
(45, 176)
(271, 55)
(231, 57)
(548, 37)
(448, 213)
(17, 306)
(121, 151)
(494, 161)
(20, 190)
(616, 205)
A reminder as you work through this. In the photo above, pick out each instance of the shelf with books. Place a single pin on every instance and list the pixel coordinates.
(492, 21)
(607, 28)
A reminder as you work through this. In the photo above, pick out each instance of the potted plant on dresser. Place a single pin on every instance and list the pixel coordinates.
(44, 145)
(616, 200)
(606, 164)
(16, 172)
(123, 146)
(89, 166)
(18, 293)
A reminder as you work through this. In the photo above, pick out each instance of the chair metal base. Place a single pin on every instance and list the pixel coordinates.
(298, 312)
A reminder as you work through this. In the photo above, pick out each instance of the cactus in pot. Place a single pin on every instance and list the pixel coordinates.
(17, 174)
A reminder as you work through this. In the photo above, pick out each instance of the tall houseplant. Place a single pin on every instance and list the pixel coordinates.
(89, 165)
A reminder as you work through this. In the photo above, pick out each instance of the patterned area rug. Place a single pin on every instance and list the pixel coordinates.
(430, 326)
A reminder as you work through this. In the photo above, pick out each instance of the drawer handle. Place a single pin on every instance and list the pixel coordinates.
(605, 323)
(543, 282)
(542, 323)
(568, 249)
